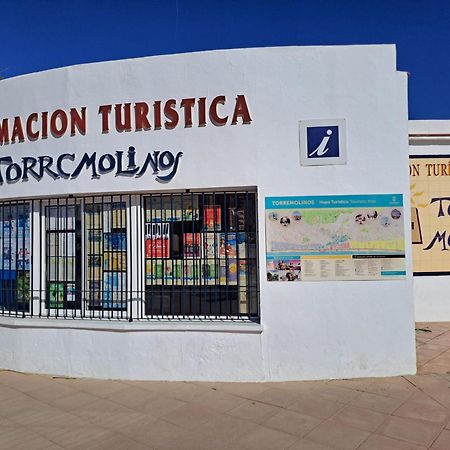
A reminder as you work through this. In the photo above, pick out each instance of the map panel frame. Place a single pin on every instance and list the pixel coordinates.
(335, 238)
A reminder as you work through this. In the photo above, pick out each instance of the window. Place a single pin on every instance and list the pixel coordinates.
(189, 255)
(200, 254)
(86, 256)
(106, 255)
(15, 247)
(63, 255)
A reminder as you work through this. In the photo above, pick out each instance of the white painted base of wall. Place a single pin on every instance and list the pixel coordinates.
(167, 351)
(432, 299)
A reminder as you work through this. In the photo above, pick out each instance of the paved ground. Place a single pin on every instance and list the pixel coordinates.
(412, 412)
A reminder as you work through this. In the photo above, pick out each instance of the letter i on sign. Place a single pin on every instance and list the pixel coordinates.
(322, 148)
(322, 142)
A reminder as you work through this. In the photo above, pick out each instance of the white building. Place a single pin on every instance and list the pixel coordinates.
(229, 215)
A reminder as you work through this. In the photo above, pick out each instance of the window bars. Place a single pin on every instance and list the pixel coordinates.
(179, 256)
(15, 264)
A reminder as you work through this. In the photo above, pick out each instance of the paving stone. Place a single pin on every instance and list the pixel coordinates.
(442, 442)
(413, 431)
(189, 415)
(316, 407)
(337, 435)
(379, 442)
(422, 407)
(275, 397)
(363, 419)
(254, 411)
(379, 403)
(266, 439)
(292, 422)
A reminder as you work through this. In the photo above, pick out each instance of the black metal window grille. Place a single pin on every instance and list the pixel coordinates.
(106, 255)
(15, 264)
(86, 257)
(201, 255)
(131, 257)
(63, 265)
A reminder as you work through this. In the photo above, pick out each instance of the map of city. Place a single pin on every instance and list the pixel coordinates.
(336, 230)
(324, 238)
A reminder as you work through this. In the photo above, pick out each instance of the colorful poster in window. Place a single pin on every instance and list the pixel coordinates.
(23, 258)
(346, 237)
(212, 218)
(56, 295)
(228, 272)
(430, 214)
(192, 245)
(227, 246)
(209, 271)
(172, 208)
(192, 272)
(15, 245)
(242, 272)
(211, 245)
(116, 261)
(114, 290)
(157, 240)
(231, 244)
(115, 242)
(23, 286)
(163, 271)
(70, 294)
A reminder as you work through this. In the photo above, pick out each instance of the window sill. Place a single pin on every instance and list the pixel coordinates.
(206, 326)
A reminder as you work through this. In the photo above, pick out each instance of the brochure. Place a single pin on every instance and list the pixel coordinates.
(56, 295)
(228, 272)
(212, 218)
(114, 290)
(115, 241)
(209, 272)
(211, 245)
(116, 261)
(191, 245)
(192, 271)
(172, 208)
(157, 240)
(163, 272)
(236, 219)
(230, 244)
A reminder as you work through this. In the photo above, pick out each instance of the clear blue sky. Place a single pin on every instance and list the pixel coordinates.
(42, 34)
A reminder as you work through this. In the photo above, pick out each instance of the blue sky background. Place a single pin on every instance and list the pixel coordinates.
(43, 34)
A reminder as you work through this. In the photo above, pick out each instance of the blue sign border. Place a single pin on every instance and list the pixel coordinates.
(334, 201)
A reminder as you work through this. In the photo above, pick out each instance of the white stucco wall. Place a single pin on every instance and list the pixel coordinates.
(308, 330)
(431, 299)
